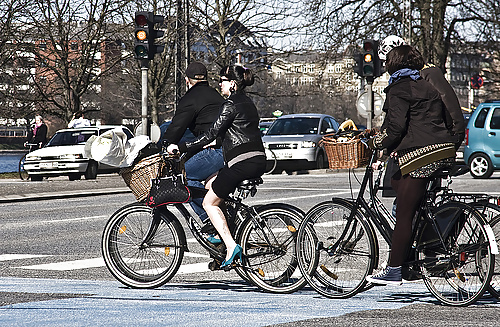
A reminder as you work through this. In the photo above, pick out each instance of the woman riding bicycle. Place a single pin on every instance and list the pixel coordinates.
(414, 131)
(238, 126)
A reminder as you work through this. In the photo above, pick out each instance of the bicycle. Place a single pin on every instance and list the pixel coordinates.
(452, 251)
(144, 247)
(23, 174)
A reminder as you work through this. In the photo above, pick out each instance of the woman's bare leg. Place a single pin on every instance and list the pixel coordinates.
(211, 205)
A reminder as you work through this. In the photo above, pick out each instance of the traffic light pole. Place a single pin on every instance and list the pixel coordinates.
(144, 101)
(369, 91)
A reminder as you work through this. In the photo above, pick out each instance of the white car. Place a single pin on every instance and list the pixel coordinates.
(294, 140)
(64, 155)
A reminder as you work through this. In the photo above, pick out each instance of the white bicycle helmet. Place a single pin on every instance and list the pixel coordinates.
(388, 44)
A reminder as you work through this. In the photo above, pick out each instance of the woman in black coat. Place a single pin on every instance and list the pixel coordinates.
(415, 133)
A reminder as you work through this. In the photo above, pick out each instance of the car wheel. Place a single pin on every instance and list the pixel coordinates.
(320, 161)
(91, 172)
(74, 176)
(480, 166)
(36, 178)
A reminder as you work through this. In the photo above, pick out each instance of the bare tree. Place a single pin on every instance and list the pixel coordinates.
(225, 26)
(431, 25)
(74, 45)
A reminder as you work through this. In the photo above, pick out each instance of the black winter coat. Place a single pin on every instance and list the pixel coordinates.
(237, 125)
(454, 118)
(414, 116)
(197, 110)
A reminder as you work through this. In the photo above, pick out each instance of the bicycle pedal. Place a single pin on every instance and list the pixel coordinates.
(214, 265)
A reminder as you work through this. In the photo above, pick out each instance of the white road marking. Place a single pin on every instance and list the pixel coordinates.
(6, 257)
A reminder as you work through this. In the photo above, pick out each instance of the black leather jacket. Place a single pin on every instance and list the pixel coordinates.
(237, 125)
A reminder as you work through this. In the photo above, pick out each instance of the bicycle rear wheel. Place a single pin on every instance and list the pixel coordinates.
(491, 213)
(23, 174)
(268, 242)
(136, 261)
(340, 252)
(459, 273)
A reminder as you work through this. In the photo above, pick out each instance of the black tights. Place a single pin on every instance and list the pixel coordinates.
(409, 195)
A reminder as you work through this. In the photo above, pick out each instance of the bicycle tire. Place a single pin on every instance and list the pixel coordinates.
(150, 265)
(273, 164)
(491, 213)
(23, 174)
(459, 274)
(334, 263)
(269, 257)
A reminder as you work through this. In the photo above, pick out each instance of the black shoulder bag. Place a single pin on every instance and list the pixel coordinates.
(168, 190)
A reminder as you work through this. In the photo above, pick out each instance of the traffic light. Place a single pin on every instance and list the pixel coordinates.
(368, 62)
(368, 58)
(145, 35)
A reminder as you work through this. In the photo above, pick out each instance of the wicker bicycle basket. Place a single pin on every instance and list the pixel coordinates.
(138, 177)
(349, 154)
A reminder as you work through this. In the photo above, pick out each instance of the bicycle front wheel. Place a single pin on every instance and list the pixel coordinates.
(136, 259)
(23, 174)
(460, 272)
(268, 241)
(339, 253)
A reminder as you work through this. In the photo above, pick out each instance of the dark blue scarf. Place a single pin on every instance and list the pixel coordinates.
(412, 73)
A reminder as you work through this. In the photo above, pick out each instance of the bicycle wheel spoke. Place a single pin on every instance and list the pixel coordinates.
(460, 277)
(132, 259)
(269, 249)
(338, 254)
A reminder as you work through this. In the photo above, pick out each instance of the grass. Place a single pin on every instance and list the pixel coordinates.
(9, 175)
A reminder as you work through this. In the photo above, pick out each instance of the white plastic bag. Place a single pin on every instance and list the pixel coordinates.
(108, 148)
(113, 149)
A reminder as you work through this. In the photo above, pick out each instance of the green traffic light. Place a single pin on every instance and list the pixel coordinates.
(141, 51)
(368, 70)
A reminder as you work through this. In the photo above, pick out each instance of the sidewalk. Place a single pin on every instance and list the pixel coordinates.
(14, 190)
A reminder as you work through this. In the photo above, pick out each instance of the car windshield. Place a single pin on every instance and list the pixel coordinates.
(294, 126)
(70, 137)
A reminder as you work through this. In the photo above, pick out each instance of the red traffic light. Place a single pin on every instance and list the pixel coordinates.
(141, 20)
(368, 46)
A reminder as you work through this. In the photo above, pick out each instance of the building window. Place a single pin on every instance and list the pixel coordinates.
(338, 68)
(42, 46)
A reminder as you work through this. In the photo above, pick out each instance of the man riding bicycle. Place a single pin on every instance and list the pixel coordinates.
(197, 110)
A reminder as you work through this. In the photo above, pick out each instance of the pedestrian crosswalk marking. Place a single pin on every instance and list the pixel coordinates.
(68, 265)
(12, 256)
(94, 263)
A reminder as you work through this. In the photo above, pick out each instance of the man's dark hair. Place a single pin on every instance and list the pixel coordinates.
(404, 56)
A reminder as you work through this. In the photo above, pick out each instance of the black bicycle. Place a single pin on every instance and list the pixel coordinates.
(144, 247)
(452, 250)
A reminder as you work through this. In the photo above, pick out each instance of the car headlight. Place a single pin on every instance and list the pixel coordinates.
(71, 156)
(308, 144)
(32, 158)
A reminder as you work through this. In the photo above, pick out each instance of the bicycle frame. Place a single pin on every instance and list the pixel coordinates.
(378, 215)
